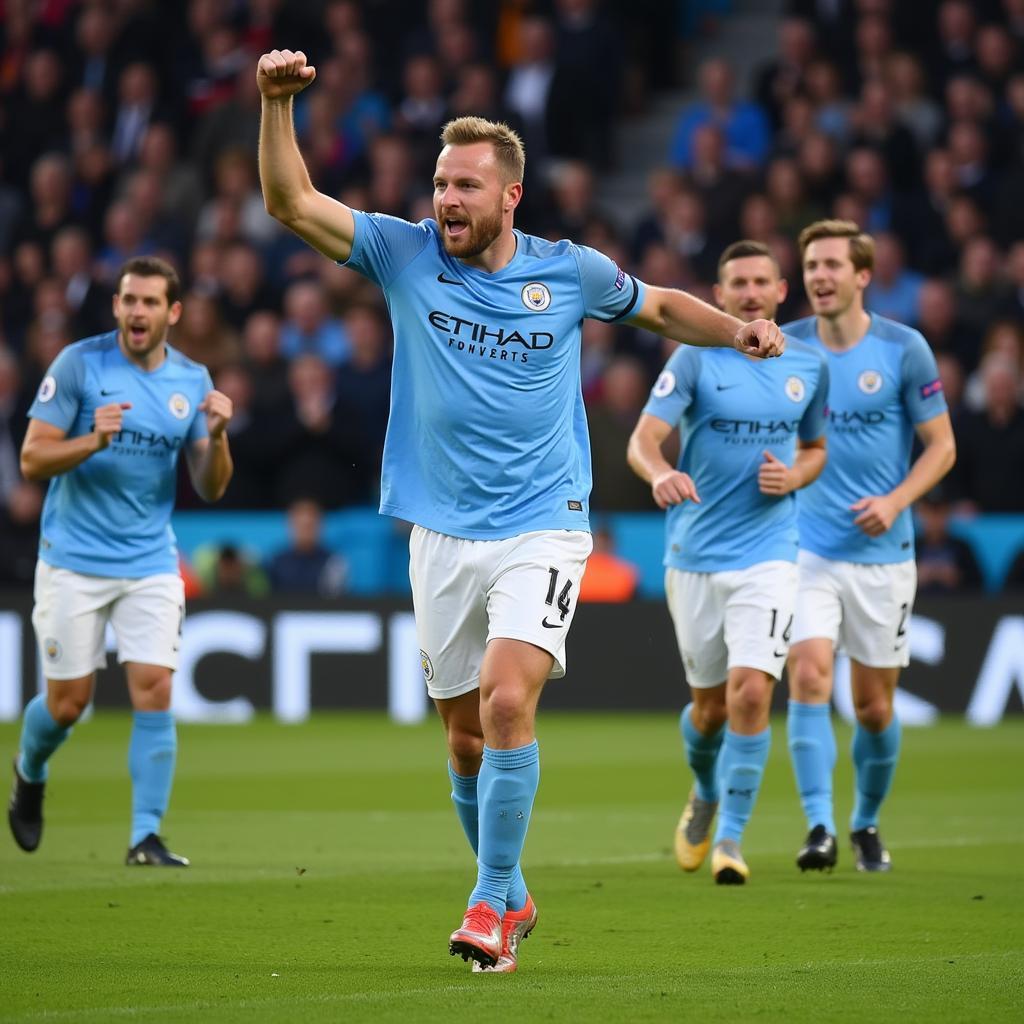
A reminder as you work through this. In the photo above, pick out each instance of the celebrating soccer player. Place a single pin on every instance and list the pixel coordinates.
(486, 452)
(752, 434)
(110, 419)
(857, 574)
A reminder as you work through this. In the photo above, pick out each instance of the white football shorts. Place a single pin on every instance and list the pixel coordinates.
(863, 609)
(732, 619)
(71, 612)
(466, 593)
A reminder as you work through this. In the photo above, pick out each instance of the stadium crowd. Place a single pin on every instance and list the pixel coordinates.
(129, 128)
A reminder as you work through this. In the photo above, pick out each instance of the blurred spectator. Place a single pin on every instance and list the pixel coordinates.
(39, 125)
(235, 181)
(233, 124)
(225, 570)
(12, 424)
(818, 157)
(608, 578)
(743, 124)
(875, 125)
(422, 110)
(20, 508)
(783, 78)
(914, 108)
(136, 107)
(50, 209)
(954, 51)
(951, 373)
(96, 65)
(720, 188)
(309, 328)
(1015, 272)
(894, 291)
(202, 335)
(528, 87)
(945, 564)
(306, 566)
(981, 294)
(597, 350)
(686, 232)
(244, 289)
(612, 419)
(663, 185)
(88, 302)
(832, 109)
(180, 186)
(784, 188)
(363, 384)
(1005, 337)
(989, 471)
(268, 369)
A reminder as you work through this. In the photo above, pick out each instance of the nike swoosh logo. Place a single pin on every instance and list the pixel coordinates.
(551, 625)
(725, 387)
(779, 654)
(103, 391)
(448, 280)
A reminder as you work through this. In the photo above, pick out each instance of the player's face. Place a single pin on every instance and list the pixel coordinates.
(143, 313)
(470, 199)
(832, 283)
(750, 288)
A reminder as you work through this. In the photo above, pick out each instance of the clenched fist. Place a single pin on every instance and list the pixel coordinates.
(219, 410)
(283, 73)
(107, 421)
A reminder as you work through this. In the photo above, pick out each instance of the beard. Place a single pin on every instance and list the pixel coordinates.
(142, 347)
(478, 237)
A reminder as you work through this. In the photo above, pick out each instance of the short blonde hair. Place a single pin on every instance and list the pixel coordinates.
(508, 147)
(862, 245)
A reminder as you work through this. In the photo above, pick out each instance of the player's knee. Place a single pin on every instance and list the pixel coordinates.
(709, 716)
(67, 709)
(874, 713)
(750, 698)
(809, 681)
(504, 708)
(466, 750)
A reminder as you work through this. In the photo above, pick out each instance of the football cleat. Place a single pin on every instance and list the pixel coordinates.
(516, 925)
(693, 834)
(727, 863)
(25, 811)
(479, 938)
(819, 852)
(151, 851)
(870, 853)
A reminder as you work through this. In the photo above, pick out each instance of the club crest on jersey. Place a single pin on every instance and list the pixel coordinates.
(427, 665)
(536, 296)
(664, 385)
(870, 382)
(179, 405)
(47, 389)
(52, 649)
(795, 389)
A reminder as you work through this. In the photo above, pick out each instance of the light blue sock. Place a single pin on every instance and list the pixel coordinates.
(874, 763)
(812, 749)
(701, 754)
(151, 755)
(740, 768)
(505, 788)
(464, 798)
(40, 737)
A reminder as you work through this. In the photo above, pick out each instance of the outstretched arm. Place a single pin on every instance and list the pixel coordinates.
(684, 318)
(288, 193)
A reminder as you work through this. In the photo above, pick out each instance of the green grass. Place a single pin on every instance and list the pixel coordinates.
(328, 869)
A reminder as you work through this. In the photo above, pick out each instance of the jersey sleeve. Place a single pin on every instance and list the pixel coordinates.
(921, 388)
(60, 394)
(676, 387)
(609, 293)
(384, 246)
(198, 428)
(812, 423)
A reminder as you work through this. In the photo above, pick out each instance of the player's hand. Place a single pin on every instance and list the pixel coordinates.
(107, 421)
(877, 514)
(775, 477)
(219, 410)
(673, 488)
(283, 73)
(761, 338)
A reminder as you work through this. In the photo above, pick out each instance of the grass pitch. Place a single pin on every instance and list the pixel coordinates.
(329, 868)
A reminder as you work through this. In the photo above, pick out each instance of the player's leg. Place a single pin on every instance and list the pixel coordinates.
(147, 619)
(879, 603)
(69, 618)
(812, 743)
(758, 617)
(695, 604)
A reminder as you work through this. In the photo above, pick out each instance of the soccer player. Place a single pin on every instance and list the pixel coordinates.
(106, 428)
(857, 574)
(486, 452)
(752, 434)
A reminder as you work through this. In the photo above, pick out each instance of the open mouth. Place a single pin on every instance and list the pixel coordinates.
(456, 228)
(137, 332)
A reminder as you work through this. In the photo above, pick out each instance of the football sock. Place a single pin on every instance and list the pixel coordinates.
(464, 798)
(151, 755)
(40, 737)
(506, 787)
(701, 755)
(812, 749)
(740, 768)
(874, 763)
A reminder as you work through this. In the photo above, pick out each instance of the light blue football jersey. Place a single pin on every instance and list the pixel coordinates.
(487, 436)
(879, 390)
(111, 514)
(730, 410)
